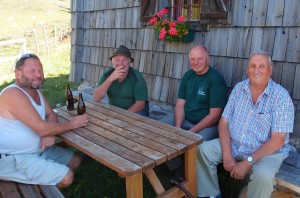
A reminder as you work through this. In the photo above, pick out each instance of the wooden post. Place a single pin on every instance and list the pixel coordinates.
(46, 39)
(36, 42)
(61, 33)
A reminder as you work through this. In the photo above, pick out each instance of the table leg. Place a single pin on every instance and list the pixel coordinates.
(134, 186)
(190, 169)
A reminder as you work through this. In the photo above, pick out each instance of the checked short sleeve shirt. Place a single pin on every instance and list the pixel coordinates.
(251, 125)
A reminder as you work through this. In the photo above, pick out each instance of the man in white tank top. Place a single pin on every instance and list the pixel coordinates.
(27, 128)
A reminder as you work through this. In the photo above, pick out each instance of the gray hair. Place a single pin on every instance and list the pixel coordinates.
(262, 52)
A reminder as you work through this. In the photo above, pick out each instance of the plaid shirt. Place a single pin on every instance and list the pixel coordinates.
(250, 125)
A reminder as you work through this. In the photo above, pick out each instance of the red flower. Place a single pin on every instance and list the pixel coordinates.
(162, 34)
(173, 32)
(172, 24)
(165, 22)
(153, 21)
(181, 19)
(162, 12)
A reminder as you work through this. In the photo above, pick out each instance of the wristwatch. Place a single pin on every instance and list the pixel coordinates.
(250, 159)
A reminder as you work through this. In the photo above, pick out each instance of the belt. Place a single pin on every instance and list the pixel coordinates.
(3, 155)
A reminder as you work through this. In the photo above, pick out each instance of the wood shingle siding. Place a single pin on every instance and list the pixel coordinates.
(99, 27)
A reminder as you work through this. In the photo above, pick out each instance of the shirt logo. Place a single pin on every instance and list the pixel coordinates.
(201, 92)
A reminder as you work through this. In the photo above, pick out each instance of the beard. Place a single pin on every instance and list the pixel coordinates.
(30, 84)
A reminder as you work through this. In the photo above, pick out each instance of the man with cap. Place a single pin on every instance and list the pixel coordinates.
(27, 128)
(125, 86)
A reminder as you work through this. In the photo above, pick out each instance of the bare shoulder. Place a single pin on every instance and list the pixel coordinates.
(10, 100)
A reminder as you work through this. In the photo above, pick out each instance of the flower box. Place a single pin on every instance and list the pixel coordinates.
(185, 39)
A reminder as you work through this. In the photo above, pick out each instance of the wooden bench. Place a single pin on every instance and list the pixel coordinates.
(288, 177)
(17, 190)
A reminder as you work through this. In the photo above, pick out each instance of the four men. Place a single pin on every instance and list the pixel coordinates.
(253, 131)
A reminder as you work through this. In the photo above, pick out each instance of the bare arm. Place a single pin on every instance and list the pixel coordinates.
(179, 112)
(225, 141)
(212, 118)
(276, 141)
(137, 106)
(18, 106)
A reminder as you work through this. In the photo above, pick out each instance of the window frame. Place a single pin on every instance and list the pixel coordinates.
(218, 16)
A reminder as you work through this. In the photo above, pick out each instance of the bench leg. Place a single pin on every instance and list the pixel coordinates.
(134, 186)
(190, 169)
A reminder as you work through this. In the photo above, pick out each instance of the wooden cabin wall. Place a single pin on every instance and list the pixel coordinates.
(99, 27)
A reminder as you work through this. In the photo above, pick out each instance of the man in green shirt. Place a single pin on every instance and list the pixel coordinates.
(202, 97)
(124, 85)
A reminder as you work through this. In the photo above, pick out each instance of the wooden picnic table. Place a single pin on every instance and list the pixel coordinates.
(131, 145)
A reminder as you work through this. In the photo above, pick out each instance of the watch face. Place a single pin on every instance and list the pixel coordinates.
(250, 159)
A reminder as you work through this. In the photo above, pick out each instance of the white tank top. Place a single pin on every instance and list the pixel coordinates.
(15, 136)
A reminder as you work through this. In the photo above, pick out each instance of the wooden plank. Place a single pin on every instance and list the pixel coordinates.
(227, 69)
(51, 191)
(120, 19)
(288, 76)
(143, 61)
(223, 41)
(291, 13)
(259, 12)
(237, 71)
(8, 189)
(190, 169)
(154, 181)
(168, 66)
(164, 89)
(214, 43)
(244, 16)
(277, 72)
(186, 64)
(244, 46)
(296, 90)
(157, 87)
(280, 43)
(268, 38)
(112, 142)
(32, 191)
(174, 192)
(117, 111)
(177, 66)
(292, 49)
(233, 42)
(137, 59)
(161, 63)
(155, 63)
(103, 156)
(171, 91)
(288, 177)
(256, 39)
(134, 186)
(275, 13)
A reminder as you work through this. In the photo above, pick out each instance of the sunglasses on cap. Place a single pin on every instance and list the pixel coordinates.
(24, 57)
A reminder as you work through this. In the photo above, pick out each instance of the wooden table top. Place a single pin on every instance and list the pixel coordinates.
(124, 141)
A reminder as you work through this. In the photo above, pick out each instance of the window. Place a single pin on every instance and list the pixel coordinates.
(200, 13)
(190, 9)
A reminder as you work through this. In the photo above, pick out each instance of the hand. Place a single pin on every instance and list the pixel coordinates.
(47, 141)
(240, 170)
(119, 73)
(229, 162)
(79, 121)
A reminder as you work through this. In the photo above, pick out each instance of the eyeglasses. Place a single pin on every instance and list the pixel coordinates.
(24, 57)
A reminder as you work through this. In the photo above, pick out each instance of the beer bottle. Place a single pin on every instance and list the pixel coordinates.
(69, 98)
(81, 105)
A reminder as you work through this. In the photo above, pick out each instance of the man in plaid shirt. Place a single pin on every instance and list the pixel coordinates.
(253, 133)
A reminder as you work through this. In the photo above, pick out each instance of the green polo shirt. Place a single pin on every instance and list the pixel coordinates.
(201, 93)
(133, 88)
